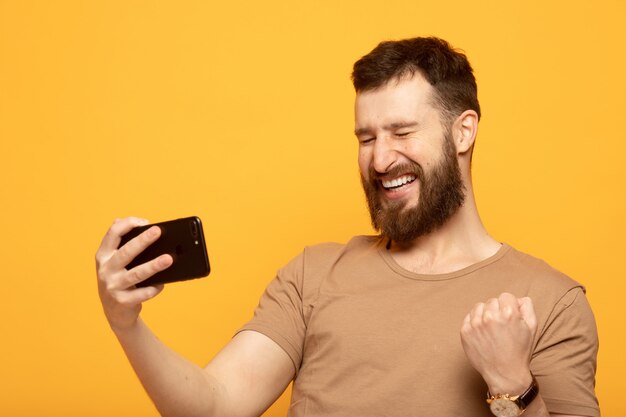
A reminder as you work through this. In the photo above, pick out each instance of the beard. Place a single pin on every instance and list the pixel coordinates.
(441, 194)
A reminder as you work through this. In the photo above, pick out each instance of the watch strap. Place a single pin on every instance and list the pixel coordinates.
(522, 400)
(529, 395)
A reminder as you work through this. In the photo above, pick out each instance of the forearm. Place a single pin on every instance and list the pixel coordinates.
(177, 386)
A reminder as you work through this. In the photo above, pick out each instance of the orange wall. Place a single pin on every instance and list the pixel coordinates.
(242, 114)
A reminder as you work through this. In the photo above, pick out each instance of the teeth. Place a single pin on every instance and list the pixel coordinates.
(396, 182)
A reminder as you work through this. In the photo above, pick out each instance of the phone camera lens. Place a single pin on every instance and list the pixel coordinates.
(194, 229)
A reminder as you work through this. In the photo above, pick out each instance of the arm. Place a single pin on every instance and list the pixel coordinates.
(497, 339)
(242, 380)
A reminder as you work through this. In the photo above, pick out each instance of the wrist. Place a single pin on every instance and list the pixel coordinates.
(125, 329)
(513, 384)
(512, 405)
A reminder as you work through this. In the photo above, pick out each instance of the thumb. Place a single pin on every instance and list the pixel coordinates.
(527, 311)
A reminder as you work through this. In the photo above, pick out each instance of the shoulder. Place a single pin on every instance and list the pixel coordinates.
(537, 274)
(309, 269)
(553, 293)
(328, 253)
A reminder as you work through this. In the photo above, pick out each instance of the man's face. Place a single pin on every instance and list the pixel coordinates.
(407, 159)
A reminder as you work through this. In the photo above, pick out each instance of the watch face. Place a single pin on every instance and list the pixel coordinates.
(502, 407)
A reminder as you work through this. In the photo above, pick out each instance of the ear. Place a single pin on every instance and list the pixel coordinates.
(464, 130)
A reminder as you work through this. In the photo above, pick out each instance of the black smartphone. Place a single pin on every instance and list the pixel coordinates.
(183, 239)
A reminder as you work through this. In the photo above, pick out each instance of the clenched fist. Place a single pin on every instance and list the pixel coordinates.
(497, 338)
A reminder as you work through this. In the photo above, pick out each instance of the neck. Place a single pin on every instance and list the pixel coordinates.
(460, 242)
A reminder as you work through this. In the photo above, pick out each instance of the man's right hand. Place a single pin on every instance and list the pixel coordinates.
(120, 298)
(243, 379)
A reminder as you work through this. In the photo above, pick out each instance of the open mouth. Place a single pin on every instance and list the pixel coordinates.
(398, 183)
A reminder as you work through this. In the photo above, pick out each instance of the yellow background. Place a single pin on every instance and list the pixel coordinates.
(241, 113)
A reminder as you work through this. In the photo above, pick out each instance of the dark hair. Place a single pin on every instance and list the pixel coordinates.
(446, 69)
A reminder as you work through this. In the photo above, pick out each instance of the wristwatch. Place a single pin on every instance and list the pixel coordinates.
(506, 405)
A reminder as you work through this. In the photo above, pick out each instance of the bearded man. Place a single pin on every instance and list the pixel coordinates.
(429, 318)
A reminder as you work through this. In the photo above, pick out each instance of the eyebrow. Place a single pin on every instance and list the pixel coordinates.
(391, 126)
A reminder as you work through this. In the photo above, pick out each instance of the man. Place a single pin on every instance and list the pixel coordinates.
(423, 320)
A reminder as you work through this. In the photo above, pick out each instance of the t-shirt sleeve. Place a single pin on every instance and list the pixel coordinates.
(279, 314)
(564, 361)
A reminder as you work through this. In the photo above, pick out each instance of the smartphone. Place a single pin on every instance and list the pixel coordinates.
(183, 239)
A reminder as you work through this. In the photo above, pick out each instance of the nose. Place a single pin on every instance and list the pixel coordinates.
(383, 155)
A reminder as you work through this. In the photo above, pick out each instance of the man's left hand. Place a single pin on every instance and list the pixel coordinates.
(497, 338)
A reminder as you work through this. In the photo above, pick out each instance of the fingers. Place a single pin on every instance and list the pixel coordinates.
(112, 238)
(476, 315)
(505, 308)
(136, 297)
(111, 261)
(491, 311)
(509, 308)
(527, 310)
(145, 271)
(124, 255)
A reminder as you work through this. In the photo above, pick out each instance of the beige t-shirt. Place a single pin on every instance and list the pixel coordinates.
(369, 338)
